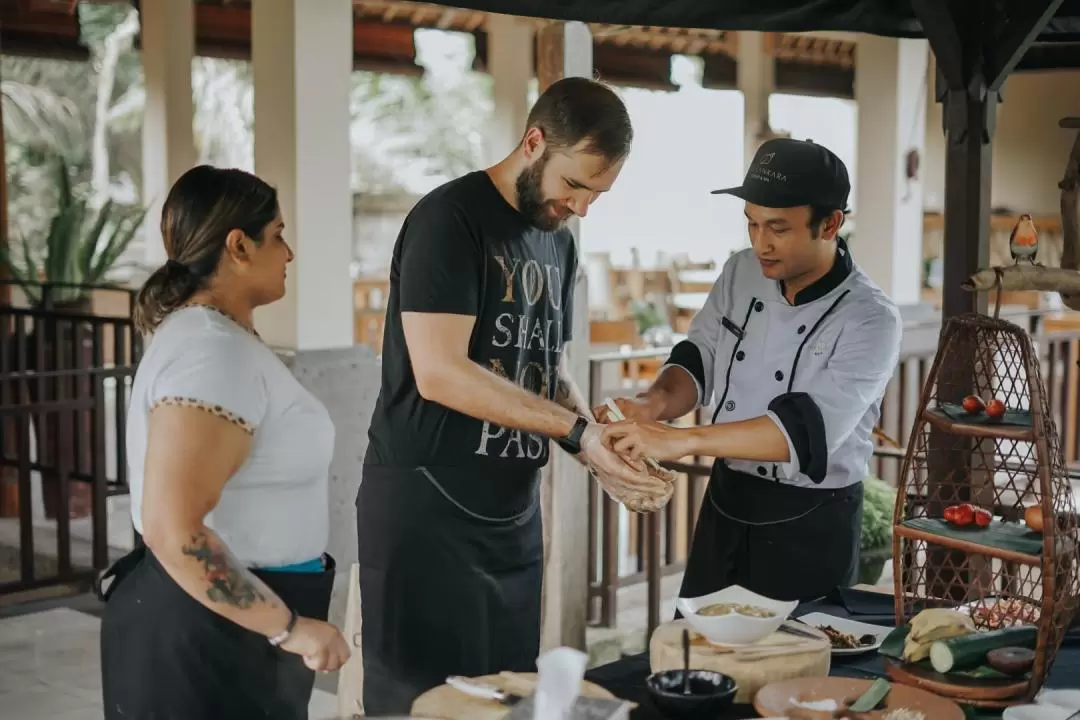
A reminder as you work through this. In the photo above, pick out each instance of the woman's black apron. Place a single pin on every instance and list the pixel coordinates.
(451, 564)
(780, 541)
(165, 656)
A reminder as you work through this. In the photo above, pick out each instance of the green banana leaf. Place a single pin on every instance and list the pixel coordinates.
(1001, 535)
(82, 246)
(893, 647)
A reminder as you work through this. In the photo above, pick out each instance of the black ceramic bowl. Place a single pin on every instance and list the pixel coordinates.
(710, 692)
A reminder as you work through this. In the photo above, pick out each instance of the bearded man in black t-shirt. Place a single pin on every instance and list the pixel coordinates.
(473, 387)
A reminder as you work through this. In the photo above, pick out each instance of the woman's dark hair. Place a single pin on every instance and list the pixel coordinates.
(202, 208)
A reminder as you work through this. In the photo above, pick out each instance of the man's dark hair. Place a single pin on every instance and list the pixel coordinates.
(821, 213)
(577, 109)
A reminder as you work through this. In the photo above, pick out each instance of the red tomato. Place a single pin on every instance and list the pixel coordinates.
(965, 515)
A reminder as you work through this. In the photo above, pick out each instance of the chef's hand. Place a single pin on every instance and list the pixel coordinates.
(638, 408)
(637, 440)
(322, 645)
(600, 458)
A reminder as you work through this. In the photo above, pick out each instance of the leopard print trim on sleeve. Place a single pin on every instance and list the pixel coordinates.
(210, 408)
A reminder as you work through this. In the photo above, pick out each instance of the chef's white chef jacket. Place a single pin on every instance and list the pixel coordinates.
(818, 367)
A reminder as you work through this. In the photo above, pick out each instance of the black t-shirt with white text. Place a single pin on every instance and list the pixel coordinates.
(464, 250)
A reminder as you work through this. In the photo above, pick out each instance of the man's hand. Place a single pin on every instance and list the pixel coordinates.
(600, 458)
(637, 440)
(635, 498)
(641, 408)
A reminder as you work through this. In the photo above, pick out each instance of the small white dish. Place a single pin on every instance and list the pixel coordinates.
(735, 630)
(1036, 712)
(844, 625)
(1068, 699)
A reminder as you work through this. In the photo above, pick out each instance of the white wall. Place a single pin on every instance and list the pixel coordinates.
(1029, 148)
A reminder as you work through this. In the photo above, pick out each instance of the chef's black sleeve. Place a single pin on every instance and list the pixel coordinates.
(801, 420)
(441, 263)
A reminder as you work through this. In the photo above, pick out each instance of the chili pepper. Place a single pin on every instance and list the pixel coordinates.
(983, 517)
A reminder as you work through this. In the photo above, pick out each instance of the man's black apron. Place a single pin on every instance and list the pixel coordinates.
(451, 565)
(778, 540)
(165, 656)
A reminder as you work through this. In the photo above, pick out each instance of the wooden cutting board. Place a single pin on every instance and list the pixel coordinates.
(448, 703)
(665, 653)
(778, 698)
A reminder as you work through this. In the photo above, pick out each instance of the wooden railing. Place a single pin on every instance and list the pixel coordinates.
(65, 372)
(76, 408)
(627, 549)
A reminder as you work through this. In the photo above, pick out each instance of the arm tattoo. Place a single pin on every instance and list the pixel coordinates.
(229, 584)
(563, 392)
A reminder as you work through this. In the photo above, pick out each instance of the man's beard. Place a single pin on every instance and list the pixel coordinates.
(530, 197)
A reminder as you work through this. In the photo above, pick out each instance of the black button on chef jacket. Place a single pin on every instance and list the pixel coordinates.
(817, 367)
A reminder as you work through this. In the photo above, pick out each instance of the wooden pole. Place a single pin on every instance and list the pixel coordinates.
(1070, 212)
(9, 488)
(1064, 280)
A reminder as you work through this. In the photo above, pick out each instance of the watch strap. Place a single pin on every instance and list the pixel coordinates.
(572, 442)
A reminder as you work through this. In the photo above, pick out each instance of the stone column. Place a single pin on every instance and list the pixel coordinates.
(891, 94)
(565, 50)
(302, 57)
(167, 39)
(511, 69)
(302, 63)
(755, 78)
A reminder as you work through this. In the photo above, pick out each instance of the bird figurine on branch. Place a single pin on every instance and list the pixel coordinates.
(1024, 240)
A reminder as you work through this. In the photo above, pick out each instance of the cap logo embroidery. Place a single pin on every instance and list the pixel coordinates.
(766, 158)
(767, 176)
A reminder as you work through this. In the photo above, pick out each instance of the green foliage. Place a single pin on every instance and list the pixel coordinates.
(647, 314)
(82, 245)
(877, 519)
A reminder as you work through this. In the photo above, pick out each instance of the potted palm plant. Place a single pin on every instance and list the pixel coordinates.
(877, 523)
(82, 246)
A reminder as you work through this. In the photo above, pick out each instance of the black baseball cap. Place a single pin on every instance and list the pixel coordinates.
(790, 173)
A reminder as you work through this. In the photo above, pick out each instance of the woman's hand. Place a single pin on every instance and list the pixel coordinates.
(638, 440)
(322, 645)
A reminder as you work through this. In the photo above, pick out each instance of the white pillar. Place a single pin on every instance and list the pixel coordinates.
(755, 78)
(565, 50)
(302, 54)
(167, 40)
(888, 208)
(511, 66)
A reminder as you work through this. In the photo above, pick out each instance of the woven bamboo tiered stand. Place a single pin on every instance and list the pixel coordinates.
(1002, 466)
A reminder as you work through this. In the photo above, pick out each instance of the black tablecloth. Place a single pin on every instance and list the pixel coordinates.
(626, 678)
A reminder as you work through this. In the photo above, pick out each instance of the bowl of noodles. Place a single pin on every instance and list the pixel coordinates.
(735, 616)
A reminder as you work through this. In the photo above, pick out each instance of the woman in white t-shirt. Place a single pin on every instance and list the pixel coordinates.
(221, 613)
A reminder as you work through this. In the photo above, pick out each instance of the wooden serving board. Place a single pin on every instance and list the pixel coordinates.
(779, 699)
(665, 653)
(448, 703)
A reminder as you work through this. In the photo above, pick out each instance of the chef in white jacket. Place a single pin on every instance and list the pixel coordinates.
(793, 348)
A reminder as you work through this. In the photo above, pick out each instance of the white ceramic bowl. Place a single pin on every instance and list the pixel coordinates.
(1036, 712)
(733, 630)
(1068, 699)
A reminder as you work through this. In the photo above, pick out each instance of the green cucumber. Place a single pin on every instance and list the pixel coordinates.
(959, 653)
(873, 695)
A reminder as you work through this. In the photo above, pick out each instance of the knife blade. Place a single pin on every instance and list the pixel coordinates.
(482, 691)
(792, 627)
